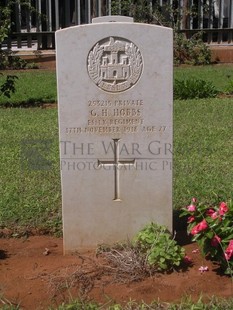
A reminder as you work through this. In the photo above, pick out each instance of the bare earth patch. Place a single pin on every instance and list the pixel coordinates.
(35, 274)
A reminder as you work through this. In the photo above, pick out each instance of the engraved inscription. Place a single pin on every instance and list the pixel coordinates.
(114, 116)
(115, 64)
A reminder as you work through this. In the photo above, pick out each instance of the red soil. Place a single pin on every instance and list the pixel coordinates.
(35, 280)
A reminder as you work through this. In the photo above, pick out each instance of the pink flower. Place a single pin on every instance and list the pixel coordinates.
(223, 208)
(229, 251)
(191, 219)
(203, 269)
(209, 212)
(213, 214)
(199, 227)
(187, 259)
(215, 241)
(194, 200)
(191, 208)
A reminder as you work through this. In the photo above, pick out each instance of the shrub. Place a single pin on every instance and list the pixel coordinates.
(160, 248)
(186, 50)
(211, 227)
(8, 86)
(191, 51)
(194, 89)
(7, 59)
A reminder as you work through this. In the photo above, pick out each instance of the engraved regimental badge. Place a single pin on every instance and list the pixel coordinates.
(114, 64)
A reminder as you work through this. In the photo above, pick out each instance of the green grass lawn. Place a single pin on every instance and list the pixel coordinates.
(30, 197)
(203, 147)
(39, 86)
(212, 304)
(29, 168)
(219, 75)
(32, 87)
(30, 190)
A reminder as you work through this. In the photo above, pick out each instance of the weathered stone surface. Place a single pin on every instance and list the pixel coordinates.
(115, 119)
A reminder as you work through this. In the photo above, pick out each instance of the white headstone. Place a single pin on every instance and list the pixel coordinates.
(115, 121)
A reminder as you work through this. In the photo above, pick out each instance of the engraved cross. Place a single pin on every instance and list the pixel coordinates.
(116, 163)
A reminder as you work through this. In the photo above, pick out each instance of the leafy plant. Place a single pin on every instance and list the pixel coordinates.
(7, 59)
(8, 86)
(229, 87)
(212, 228)
(5, 25)
(161, 250)
(191, 51)
(140, 10)
(153, 250)
(12, 62)
(186, 50)
(5, 22)
(194, 89)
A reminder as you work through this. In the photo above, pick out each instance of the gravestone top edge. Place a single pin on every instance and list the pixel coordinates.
(112, 18)
(68, 29)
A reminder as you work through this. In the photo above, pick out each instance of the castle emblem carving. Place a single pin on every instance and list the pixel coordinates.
(115, 64)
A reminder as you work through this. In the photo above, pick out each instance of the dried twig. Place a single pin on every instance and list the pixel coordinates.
(121, 264)
(7, 302)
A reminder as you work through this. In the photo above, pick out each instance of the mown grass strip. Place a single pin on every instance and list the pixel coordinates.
(32, 87)
(35, 87)
(30, 182)
(29, 169)
(203, 146)
(186, 304)
(219, 75)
